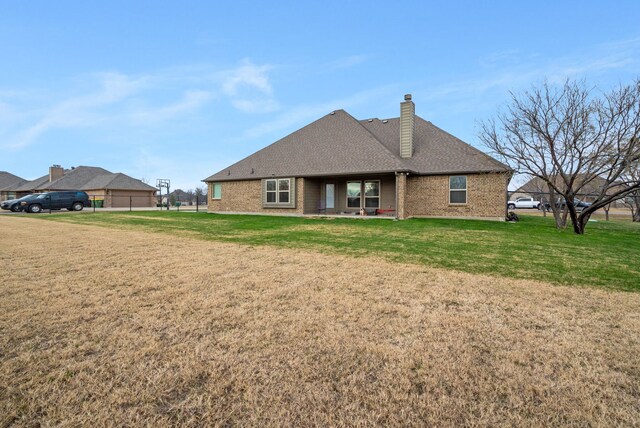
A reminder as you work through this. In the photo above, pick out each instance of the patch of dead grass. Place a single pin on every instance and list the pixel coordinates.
(115, 327)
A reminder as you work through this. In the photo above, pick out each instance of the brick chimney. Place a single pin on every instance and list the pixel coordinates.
(407, 126)
(55, 172)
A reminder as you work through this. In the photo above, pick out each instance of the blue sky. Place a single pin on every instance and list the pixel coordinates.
(180, 90)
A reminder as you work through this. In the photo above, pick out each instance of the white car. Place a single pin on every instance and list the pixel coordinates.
(523, 203)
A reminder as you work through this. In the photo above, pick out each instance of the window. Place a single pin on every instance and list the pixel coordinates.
(272, 193)
(283, 191)
(458, 189)
(353, 194)
(279, 193)
(372, 194)
(216, 191)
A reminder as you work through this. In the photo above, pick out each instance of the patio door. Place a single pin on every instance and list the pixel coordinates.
(330, 196)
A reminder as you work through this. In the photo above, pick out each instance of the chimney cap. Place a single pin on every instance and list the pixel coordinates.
(407, 97)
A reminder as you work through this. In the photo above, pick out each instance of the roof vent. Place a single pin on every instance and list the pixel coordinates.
(228, 172)
(251, 170)
(385, 121)
(332, 113)
(370, 120)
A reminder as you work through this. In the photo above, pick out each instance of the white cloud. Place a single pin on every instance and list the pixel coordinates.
(247, 75)
(79, 111)
(249, 88)
(191, 100)
(121, 100)
(508, 74)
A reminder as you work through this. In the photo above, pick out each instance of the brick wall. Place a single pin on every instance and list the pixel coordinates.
(246, 197)
(423, 196)
(429, 196)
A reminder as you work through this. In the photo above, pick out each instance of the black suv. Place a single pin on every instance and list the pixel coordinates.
(74, 200)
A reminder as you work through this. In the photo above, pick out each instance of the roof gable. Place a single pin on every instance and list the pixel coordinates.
(116, 181)
(8, 180)
(334, 144)
(74, 179)
(30, 186)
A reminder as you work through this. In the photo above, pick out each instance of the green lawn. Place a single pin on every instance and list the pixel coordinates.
(607, 255)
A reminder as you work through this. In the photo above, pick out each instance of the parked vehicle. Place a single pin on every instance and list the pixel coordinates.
(523, 203)
(13, 204)
(580, 205)
(71, 200)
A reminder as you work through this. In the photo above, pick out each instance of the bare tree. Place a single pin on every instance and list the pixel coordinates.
(201, 194)
(190, 196)
(568, 137)
(632, 200)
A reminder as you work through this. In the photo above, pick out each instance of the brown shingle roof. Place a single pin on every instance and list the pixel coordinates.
(338, 144)
(116, 181)
(74, 179)
(434, 151)
(8, 180)
(84, 178)
(30, 186)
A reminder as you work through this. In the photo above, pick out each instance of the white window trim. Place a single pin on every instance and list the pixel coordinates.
(466, 186)
(364, 194)
(213, 191)
(277, 204)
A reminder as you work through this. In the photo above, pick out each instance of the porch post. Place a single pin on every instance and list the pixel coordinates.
(401, 193)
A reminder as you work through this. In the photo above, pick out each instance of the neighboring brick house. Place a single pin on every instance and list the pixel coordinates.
(8, 182)
(405, 167)
(112, 190)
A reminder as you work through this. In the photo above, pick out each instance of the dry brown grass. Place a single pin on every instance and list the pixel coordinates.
(111, 327)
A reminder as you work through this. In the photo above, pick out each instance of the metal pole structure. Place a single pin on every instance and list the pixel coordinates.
(49, 199)
(160, 184)
(130, 203)
(94, 203)
(197, 204)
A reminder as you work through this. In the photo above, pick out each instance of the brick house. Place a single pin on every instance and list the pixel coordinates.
(113, 190)
(404, 167)
(8, 182)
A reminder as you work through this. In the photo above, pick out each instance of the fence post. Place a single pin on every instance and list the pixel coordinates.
(94, 203)
(130, 203)
(197, 204)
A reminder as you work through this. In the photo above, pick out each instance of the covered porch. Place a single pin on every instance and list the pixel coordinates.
(354, 195)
